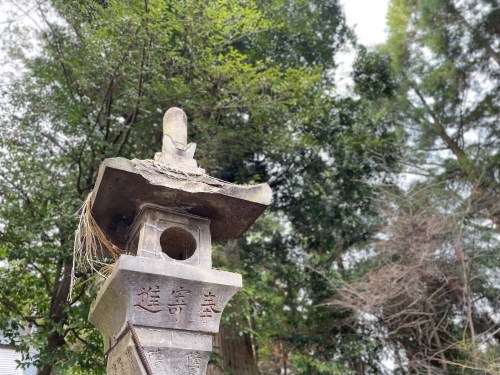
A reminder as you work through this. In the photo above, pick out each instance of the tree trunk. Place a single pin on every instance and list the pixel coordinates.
(54, 341)
(58, 315)
(235, 351)
(236, 354)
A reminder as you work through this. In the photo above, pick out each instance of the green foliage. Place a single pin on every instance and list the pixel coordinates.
(437, 81)
(448, 90)
(254, 78)
(448, 74)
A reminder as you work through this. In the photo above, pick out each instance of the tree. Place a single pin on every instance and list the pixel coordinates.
(449, 72)
(439, 248)
(427, 294)
(260, 110)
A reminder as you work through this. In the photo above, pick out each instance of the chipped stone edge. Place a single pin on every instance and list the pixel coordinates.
(162, 175)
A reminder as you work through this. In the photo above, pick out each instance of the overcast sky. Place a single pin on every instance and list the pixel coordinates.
(367, 17)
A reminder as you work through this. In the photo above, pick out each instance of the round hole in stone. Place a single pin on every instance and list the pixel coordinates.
(177, 243)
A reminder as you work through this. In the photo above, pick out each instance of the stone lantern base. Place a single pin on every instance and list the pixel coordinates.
(159, 319)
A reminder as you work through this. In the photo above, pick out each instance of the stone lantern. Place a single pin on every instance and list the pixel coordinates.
(161, 305)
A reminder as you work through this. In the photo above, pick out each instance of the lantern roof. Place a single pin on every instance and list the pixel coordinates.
(173, 181)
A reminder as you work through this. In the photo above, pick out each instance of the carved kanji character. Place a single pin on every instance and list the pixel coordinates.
(179, 302)
(208, 307)
(149, 299)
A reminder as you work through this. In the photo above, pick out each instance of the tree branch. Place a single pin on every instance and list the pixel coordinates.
(491, 52)
(441, 132)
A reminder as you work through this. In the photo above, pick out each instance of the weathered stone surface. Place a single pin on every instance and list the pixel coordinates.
(123, 186)
(162, 303)
(149, 237)
(160, 294)
(167, 352)
(176, 152)
(124, 360)
(175, 126)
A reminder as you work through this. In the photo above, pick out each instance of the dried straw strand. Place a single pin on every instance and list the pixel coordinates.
(91, 246)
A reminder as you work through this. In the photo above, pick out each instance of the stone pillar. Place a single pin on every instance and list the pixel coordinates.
(161, 305)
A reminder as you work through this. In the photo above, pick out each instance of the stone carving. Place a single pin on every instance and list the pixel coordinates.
(176, 152)
(179, 302)
(162, 303)
(157, 362)
(208, 307)
(194, 363)
(149, 299)
(121, 366)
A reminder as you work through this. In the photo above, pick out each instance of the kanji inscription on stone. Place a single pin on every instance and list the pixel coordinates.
(208, 307)
(157, 362)
(179, 302)
(118, 367)
(149, 299)
(194, 363)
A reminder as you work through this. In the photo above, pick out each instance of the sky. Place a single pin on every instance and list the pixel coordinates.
(367, 17)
